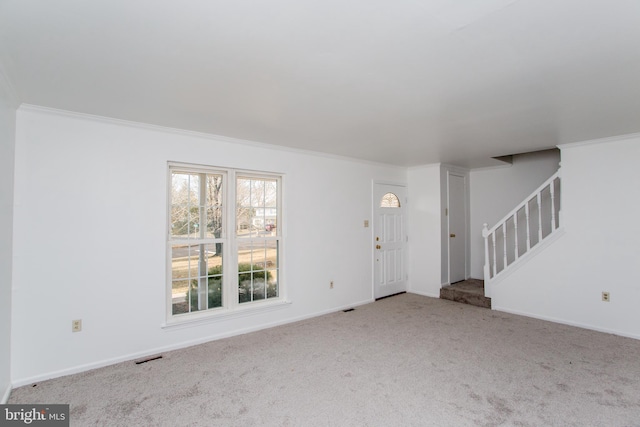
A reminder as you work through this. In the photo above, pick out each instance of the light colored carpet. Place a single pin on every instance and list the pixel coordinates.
(403, 361)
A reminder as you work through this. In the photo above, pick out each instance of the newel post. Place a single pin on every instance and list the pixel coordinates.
(487, 268)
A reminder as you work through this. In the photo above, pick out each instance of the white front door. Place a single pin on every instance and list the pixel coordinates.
(457, 228)
(389, 240)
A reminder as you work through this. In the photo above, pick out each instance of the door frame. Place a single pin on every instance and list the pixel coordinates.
(374, 205)
(462, 173)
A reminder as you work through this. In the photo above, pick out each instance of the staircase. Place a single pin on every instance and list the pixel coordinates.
(527, 228)
(470, 291)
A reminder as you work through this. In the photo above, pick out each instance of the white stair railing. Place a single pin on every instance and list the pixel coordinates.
(522, 229)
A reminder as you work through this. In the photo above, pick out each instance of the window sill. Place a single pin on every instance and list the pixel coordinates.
(224, 314)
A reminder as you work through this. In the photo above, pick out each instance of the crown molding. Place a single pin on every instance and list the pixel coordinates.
(427, 166)
(599, 141)
(195, 134)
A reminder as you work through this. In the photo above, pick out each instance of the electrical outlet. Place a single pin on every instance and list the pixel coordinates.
(331, 284)
(605, 297)
(76, 325)
(366, 223)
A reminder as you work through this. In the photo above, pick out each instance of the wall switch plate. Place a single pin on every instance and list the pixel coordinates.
(76, 325)
(366, 223)
(606, 297)
(331, 284)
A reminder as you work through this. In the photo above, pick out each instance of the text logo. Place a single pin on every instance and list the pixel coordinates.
(34, 415)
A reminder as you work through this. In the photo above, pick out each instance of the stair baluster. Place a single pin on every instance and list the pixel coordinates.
(515, 233)
(539, 201)
(546, 212)
(504, 245)
(495, 259)
(552, 191)
(526, 215)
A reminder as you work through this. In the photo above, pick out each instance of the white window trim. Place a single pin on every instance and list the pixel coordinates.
(231, 307)
(220, 315)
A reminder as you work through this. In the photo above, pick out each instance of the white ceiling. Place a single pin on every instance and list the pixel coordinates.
(406, 82)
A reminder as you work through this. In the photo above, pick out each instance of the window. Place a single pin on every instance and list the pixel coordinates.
(206, 241)
(390, 200)
(257, 244)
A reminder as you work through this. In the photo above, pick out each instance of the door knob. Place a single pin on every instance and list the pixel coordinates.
(452, 235)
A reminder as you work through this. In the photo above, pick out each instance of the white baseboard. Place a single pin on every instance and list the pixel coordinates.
(155, 351)
(424, 294)
(5, 395)
(567, 322)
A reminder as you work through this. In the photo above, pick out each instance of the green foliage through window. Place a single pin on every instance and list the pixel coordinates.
(251, 286)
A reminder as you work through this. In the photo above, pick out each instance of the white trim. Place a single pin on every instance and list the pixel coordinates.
(427, 166)
(599, 141)
(134, 356)
(5, 395)
(424, 294)
(219, 315)
(566, 322)
(394, 183)
(488, 168)
(455, 169)
(190, 133)
(195, 168)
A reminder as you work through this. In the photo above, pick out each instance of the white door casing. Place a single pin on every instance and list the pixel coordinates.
(457, 228)
(389, 240)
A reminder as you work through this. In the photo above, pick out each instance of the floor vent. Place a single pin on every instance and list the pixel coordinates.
(149, 359)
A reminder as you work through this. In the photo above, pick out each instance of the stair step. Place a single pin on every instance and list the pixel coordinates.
(470, 291)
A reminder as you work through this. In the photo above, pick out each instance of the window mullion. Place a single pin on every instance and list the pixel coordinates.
(231, 282)
(202, 229)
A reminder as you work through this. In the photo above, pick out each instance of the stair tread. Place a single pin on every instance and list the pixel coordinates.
(470, 291)
(474, 286)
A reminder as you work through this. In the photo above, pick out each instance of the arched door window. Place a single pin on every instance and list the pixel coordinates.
(390, 200)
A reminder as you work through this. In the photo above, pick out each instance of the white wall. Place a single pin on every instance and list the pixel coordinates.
(7, 148)
(89, 236)
(599, 250)
(424, 230)
(496, 191)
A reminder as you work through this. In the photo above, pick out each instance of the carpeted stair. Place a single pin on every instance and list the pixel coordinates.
(470, 291)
